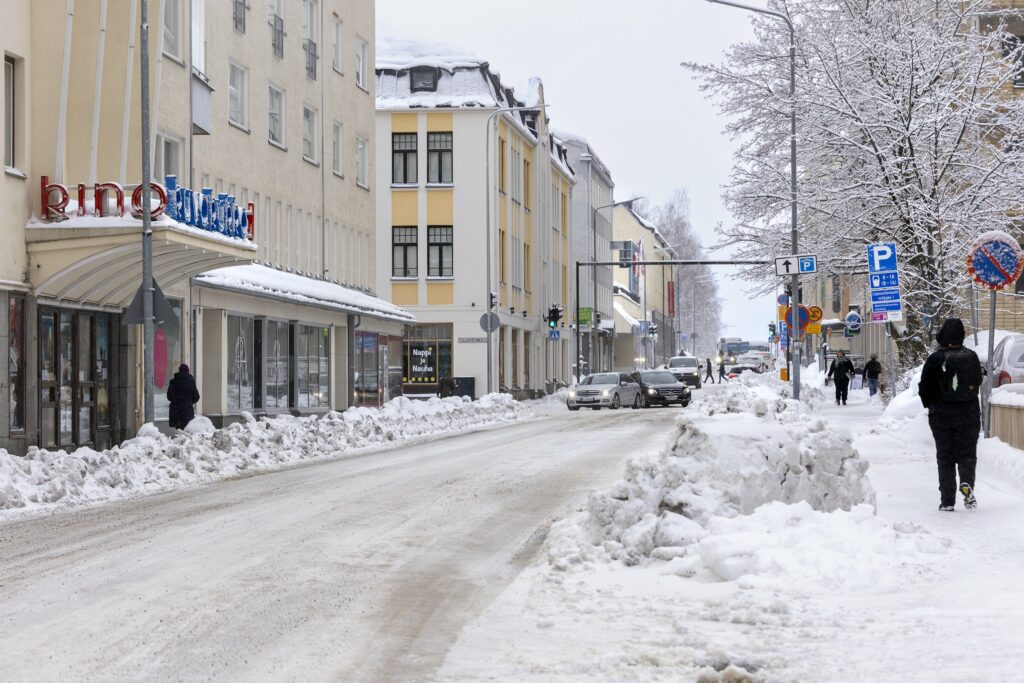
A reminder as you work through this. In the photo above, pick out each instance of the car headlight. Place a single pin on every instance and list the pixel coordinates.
(605, 392)
(652, 392)
(572, 394)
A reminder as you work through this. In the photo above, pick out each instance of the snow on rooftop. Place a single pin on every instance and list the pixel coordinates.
(398, 53)
(620, 310)
(270, 281)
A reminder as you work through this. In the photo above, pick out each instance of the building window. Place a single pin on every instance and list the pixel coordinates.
(238, 14)
(16, 362)
(276, 131)
(238, 95)
(310, 15)
(313, 377)
(427, 354)
(276, 22)
(172, 28)
(336, 57)
(1013, 47)
(276, 363)
(309, 134)
(361, 162)
(423, 79)
(240, 363)
(403, 251)
(439, 251)
(9, 113)
(197, 41)
(501, 165)
(837, 293)
(403, 158)
(439, 158)
(361, 63)
(338, 132)
(526, 184)
(167, 160)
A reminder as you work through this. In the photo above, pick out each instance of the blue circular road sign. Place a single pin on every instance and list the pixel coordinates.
(853, 320)
(995, 260)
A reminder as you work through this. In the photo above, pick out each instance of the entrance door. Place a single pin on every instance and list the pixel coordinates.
(67, 377)
(48, 380)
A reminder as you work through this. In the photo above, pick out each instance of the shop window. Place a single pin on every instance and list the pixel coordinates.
(366, 390)
(427, 355)
(312, 367)
(102, 371)
(167, 357)
(16, 362)
(275, 347)
(240, 363)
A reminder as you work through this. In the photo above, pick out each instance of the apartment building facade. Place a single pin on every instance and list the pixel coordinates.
(591, 241)
(645, 296)
(262, 154)
(447, 155)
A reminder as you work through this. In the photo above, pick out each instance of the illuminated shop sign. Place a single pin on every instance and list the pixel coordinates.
(202, 209)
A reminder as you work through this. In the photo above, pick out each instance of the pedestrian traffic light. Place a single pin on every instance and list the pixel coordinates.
(652, 330)
(771, 329)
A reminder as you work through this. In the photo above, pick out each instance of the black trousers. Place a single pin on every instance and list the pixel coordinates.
(842, 389)
(956, 448)
(710, 378)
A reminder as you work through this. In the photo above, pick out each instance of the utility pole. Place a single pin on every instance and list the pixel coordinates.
(147, 227)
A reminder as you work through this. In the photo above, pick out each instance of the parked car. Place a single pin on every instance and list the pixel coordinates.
(1008, 360)
(605, 390)
(686, 369)
(660, 387)
(737, 370)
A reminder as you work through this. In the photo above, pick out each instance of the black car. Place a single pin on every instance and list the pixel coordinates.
(660, 387)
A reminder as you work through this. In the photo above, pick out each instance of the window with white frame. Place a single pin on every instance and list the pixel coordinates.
(310, 14)
(338, 131)
(167, 160)
(238, 95)
(198, 39)
(361, 63)
(337, 59)
(172, 28)
(309, 133)
(275, 132)
(10, 119)
(361, 162)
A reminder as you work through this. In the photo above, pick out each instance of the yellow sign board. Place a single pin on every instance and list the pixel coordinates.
(813, 328)
(816, 314)
(782, 312)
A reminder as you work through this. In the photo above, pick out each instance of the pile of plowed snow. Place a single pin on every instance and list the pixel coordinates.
(153, 462)
(749, 479)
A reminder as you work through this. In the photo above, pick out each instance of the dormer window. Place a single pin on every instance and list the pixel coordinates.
(423, 79)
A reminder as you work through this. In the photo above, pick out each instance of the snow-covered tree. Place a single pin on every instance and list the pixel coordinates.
(908, 130)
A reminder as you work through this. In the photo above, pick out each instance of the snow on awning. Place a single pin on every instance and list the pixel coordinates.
(619, 310)
(264, 281)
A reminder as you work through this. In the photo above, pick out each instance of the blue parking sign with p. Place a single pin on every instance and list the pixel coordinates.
(882, 257)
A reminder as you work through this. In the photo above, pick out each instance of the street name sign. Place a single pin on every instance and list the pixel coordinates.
(803, 264)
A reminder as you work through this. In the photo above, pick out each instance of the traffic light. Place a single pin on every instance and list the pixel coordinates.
(554, 316)
(493, 301)
(653, 330)
(771, 329)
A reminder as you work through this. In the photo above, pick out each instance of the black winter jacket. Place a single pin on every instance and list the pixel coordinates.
(183, 395)
(930, 388)
(841, 370)
(872, 369)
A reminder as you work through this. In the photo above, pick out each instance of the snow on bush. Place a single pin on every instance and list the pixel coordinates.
(153, 462)
(756, 486)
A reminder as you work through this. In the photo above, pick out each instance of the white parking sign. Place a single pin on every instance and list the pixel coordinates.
(882, 257)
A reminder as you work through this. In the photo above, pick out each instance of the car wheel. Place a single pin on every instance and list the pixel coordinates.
(636, 401)
(616, 402)
(644, 403)
(574, 407)
(683, 404)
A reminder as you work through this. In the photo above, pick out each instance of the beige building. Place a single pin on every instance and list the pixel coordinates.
(435, 152)
(262, 123)
(644, 296)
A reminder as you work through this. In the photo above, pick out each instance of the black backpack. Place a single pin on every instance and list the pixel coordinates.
(960, 376)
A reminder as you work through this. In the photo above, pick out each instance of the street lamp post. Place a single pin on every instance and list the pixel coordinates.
(593, 277)
(795, 283)
(487, 194)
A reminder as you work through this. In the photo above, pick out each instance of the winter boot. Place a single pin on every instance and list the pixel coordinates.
(945, 508)
(970, 502)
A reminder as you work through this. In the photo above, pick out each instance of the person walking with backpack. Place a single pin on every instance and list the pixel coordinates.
(710, 377)
(841, 372)
(949, 387)
(721, 370)
(182, 395)
(872, 371)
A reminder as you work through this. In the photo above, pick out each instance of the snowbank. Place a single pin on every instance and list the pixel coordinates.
(752, 448)
(153, 462)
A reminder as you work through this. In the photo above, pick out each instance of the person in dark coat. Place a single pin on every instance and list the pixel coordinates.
(949, 387)
(710, 377)
(721, 370)
(183, 396)
(841, 372)
(872, 371)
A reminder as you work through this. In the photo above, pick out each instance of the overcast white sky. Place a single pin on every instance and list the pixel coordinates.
(611, 73)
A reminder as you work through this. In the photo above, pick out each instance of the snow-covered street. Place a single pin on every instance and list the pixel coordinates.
(364, 568)
(912, 594)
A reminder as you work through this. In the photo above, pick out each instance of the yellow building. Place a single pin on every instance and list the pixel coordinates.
(448, 156)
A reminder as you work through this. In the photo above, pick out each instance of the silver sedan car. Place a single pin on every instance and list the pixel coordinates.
(605, 390)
